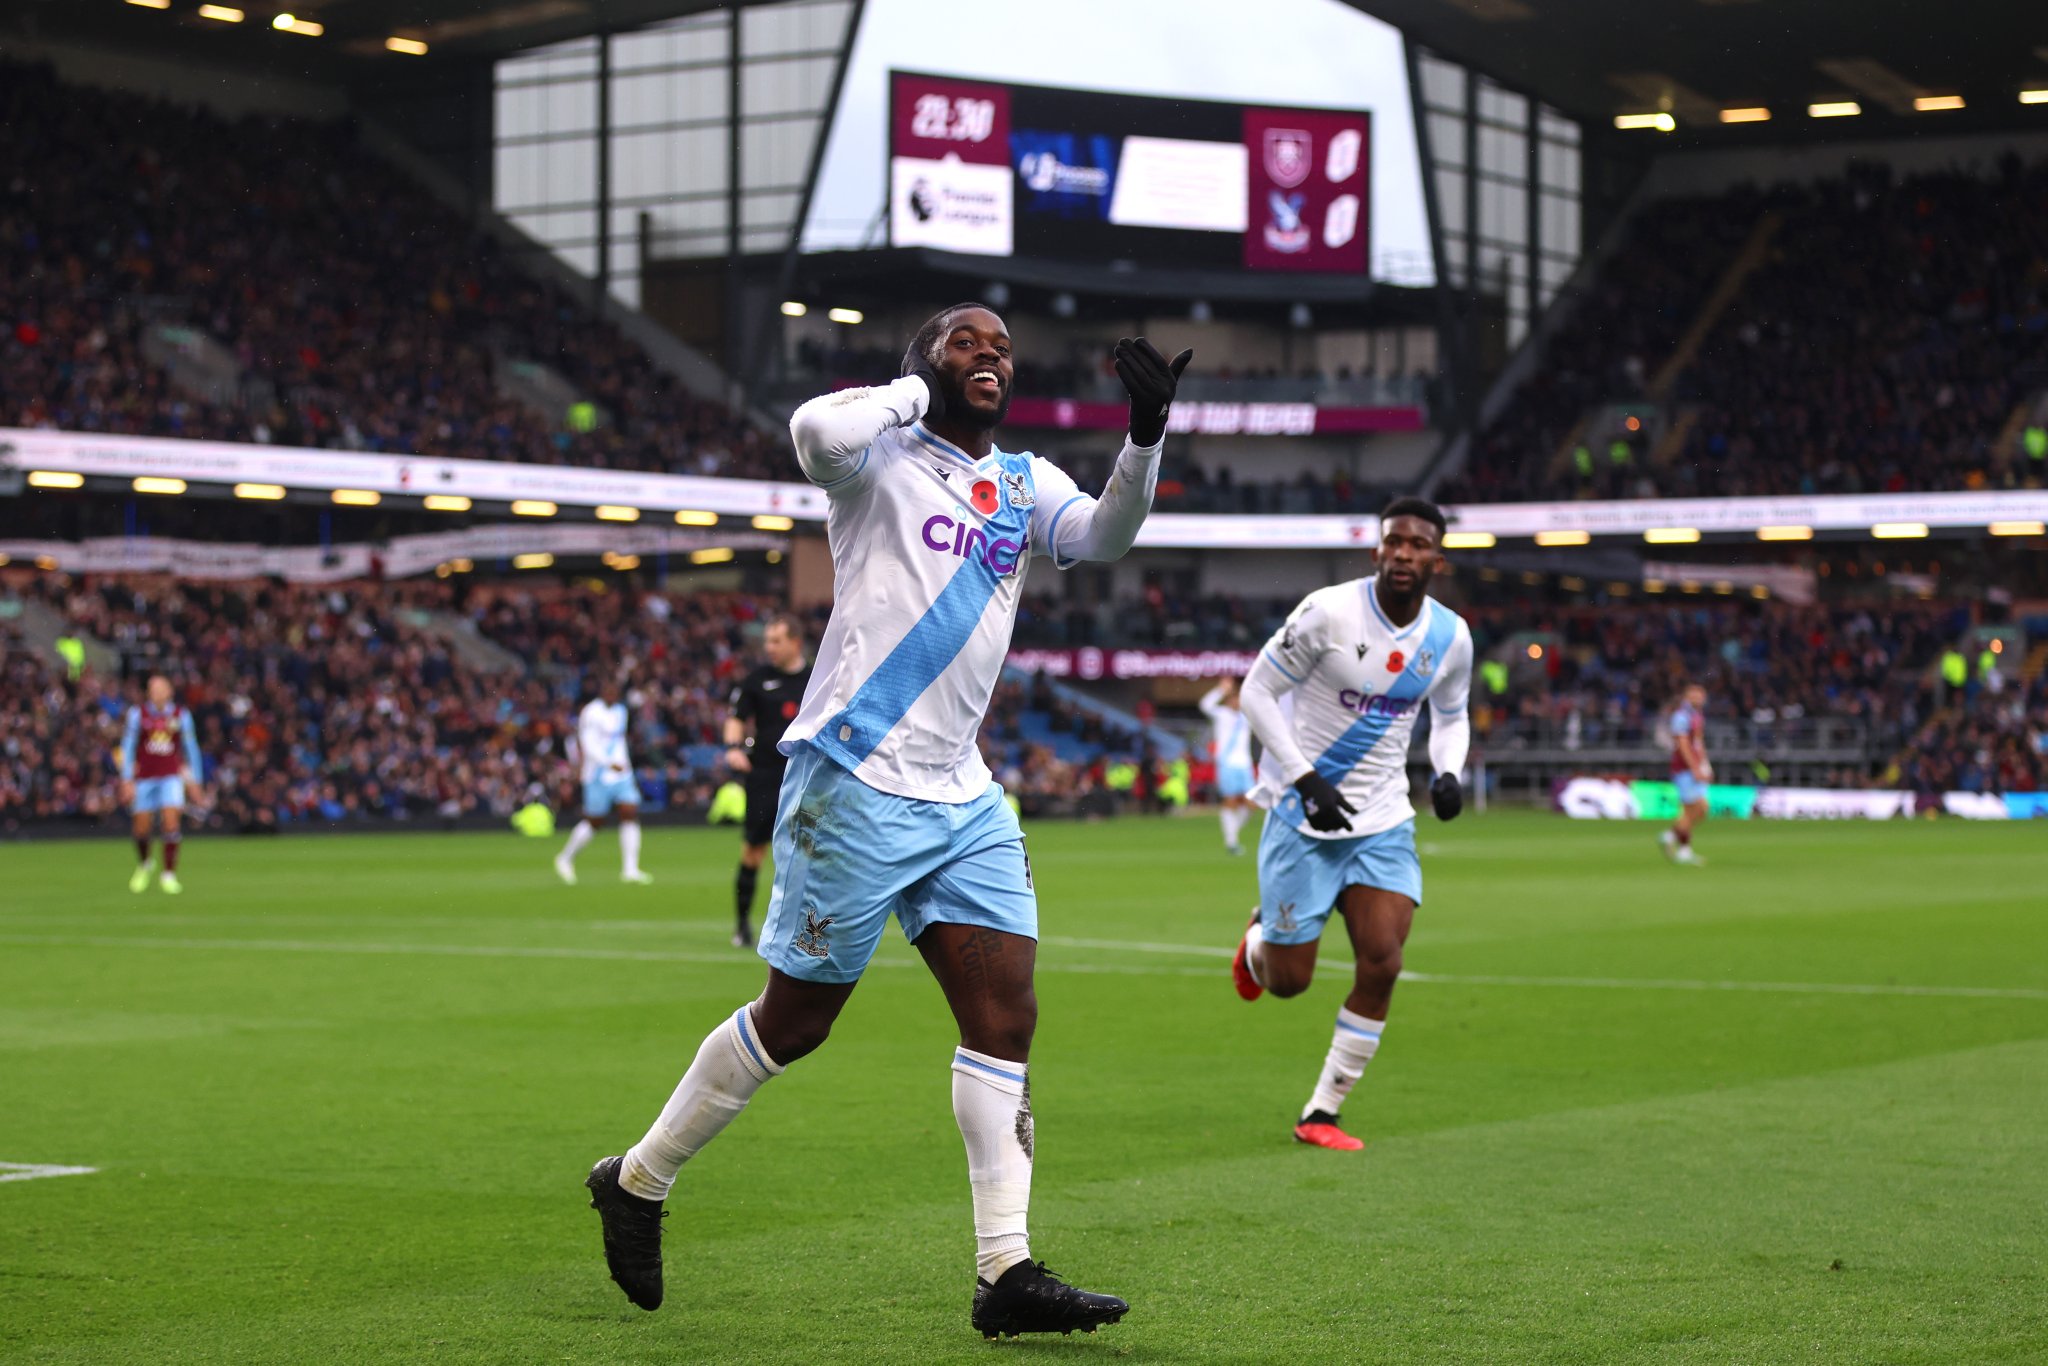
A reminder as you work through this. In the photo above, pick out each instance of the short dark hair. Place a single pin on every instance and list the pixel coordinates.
(924, 346)
(1412, 506)
(788, 622)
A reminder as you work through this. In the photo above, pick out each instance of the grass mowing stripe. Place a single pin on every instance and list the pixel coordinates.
(1125, 969)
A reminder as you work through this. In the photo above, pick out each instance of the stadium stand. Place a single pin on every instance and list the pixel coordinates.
(1871, 333)
(349, 703)
(338, 305)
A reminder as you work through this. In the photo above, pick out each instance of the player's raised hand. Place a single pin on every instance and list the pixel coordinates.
(917, 363)
(1150, 379)
(1322, 803)
(1447, 796)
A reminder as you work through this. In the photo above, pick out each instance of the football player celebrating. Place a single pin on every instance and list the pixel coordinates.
(887, 808)
(158, 748)
(767, 701)
(1333, 698)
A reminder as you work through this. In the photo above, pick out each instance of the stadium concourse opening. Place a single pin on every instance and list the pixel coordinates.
(1550, 495)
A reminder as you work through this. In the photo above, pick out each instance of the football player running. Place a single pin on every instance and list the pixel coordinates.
(887, 808)
(1333, 699)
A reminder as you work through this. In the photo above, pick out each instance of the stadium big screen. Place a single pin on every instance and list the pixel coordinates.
(1000, 170)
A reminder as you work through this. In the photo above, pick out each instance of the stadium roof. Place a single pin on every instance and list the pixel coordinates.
(1593, 59)
(1596, 59)
(355, 31)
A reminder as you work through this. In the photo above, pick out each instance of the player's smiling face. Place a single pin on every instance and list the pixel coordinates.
(1408, 556)
(974, 361)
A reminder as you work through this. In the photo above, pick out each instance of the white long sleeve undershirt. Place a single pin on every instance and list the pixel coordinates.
(833, 432)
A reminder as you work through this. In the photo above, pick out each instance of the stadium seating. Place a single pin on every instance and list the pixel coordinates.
(353, 311)
(1876, 333)
(355, 702)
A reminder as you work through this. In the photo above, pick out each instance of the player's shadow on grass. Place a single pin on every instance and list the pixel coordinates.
(1102, 1345)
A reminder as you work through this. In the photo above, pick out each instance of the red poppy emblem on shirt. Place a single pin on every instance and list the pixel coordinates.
(789, 711)
(1396, 662)
(984, 496)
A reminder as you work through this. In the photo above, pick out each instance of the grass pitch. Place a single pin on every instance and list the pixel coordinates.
(342, 1094)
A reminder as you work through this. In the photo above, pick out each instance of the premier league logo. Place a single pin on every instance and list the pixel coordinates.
(1020, 491)
(1287, 156)
(1285, 234)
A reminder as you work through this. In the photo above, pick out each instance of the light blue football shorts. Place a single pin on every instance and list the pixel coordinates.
(607, 790)
(1299, 877)
(1233, 780)
(159, 794)
(847, 857)
(1690, 788)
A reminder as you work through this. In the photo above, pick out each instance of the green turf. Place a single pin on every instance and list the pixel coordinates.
(341, 1096)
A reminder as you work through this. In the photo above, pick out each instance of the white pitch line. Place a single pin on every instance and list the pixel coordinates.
(35, 1171)
(1121, 969)
(1689, 984)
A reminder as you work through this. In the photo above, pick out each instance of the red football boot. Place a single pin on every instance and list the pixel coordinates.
(1241, 971)
(1320, 1130)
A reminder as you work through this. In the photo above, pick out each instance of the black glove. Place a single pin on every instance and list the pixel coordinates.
(1150, 382)
(1447, 796)
(1323, 804)
(916, 363)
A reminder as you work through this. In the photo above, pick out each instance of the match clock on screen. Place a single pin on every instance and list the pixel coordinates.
(959, 118)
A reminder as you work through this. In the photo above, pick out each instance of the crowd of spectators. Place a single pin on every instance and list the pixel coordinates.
(1610, 672)
(1994, 740)
(1607, 672)
(1889, 332)
(362, 313)
(311, 703)
(357, 702)
(354, 701)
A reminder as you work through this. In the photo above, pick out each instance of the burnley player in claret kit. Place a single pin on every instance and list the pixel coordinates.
(158, 748)
(1333, 698)
(763, 705)
(887, 808)
(1691, 771)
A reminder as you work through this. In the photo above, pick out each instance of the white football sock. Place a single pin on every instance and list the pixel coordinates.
(1226, 817)
(992, 1103)
(1235, 829)
(1255, 952)
(1352, 1045)
(629, 847)
(578, 837)
(730, 1066)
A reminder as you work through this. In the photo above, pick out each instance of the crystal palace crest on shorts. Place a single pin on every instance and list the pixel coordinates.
(811, 939)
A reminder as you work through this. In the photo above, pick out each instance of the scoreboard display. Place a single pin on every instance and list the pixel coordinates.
(999, 170)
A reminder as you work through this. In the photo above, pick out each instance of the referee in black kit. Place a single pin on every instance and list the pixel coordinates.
(765, 702)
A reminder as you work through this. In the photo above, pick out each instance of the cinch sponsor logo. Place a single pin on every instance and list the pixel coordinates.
(971, 543)
(1366, 704)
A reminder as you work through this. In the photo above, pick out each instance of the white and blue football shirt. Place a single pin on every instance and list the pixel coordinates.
(1358, 683)
(601, 737)
(1230, 734)
(929, 553)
